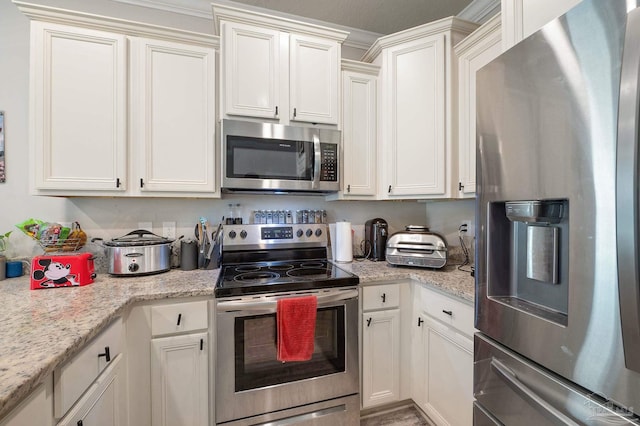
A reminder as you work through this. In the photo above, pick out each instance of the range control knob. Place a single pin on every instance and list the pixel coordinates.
(299, 233)
(243, 234)
(232, 234)
(309, 232)
(133, 267)
(318, 232)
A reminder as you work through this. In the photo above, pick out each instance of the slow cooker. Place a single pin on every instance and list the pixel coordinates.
(139, 252)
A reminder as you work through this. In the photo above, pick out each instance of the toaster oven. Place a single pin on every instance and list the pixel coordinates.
(417, 247)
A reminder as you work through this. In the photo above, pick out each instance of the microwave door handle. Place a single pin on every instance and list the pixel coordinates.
(627, 193)
(270, 305)
(317, 157)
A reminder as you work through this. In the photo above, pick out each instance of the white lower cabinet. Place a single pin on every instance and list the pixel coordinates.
(168, 363)
(381, 344)
(442, 358)
(179, 380)
(103, 403)
(36, 409)
(380, 357)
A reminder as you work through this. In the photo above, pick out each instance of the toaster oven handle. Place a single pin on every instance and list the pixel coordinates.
(271, 302)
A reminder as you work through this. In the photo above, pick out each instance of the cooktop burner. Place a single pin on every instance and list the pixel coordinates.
(263, 277)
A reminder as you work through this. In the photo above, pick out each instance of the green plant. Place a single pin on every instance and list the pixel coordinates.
(4, 240)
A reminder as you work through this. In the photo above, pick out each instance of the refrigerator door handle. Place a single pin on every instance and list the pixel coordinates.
(526, 393)
(627, 193)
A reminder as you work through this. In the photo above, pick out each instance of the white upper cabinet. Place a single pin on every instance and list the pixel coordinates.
(277, 68)
(359, 129)
(418, 136)
(120, 108)
(314, 71)
(521, 18)
(251, 69)
(173, 116)
(474, 52)
(78, 108)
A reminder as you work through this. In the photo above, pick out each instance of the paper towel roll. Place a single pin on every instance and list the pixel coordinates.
(343, 242)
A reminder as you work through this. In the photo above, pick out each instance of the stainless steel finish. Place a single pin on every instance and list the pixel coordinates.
(262, 304)
(275, 132)
(535, 211)
(424, 249)
(232, 405)
(517, 392)
(254, 241)
(627, 194)
(547, 129)
(542, 253)
(132, 261)
(340, 411)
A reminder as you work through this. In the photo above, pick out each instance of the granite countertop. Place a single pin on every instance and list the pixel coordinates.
(449, 279)
(41, 329)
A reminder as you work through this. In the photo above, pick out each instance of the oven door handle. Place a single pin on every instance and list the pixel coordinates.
(271, 302)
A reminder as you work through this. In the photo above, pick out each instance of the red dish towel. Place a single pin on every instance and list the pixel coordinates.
(296, 318)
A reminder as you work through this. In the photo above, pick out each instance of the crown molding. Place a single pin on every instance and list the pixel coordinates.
(491, 28)
(105, 23)
(451, 23)
(480, 11)
(361, 67)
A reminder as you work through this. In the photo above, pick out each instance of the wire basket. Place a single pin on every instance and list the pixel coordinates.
(62, 246)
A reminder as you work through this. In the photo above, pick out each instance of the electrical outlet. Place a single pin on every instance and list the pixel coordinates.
(147, 226)
(471, 228)
(169, 230)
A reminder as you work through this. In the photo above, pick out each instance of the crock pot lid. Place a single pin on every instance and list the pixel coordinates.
(139, 237)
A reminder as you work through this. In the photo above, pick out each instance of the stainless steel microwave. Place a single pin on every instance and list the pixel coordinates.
(267, 157)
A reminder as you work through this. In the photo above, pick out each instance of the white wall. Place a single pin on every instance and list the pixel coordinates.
(112, 217)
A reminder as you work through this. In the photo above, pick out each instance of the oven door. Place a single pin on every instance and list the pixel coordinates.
(250, 380)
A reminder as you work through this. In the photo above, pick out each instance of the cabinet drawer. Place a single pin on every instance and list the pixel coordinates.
(380, 296)
(178, 318)
(74, 377)
(448, 310)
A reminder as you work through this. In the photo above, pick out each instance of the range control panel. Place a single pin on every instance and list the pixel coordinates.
(265, 236)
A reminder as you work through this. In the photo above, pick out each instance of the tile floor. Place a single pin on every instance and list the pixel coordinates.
(403, 416)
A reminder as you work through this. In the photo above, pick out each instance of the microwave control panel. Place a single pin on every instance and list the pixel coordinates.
(329, 162)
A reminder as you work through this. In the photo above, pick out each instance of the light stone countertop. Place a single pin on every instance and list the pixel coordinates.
(41, 329)
(448, 280)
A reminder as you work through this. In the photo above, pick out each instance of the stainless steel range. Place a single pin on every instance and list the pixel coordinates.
(262, 264)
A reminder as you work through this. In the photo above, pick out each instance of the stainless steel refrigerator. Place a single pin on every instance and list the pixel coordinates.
(558, 249)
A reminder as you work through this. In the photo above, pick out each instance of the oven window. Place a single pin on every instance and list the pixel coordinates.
(256, 363)
(256, 158)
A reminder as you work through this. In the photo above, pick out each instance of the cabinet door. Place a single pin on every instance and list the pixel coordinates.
(380, 357)
(179, 380)
(446, 374)
(359, 109)
(251, 58)
(78, 108)
(36, 409)
(414, 144)
(102, 404)
(470, 61)
(313, 73)
(173, 116)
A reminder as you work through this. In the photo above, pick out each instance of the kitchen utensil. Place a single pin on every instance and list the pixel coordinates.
(137, 253)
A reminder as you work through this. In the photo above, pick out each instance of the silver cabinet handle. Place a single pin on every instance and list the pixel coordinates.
(526, 393)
